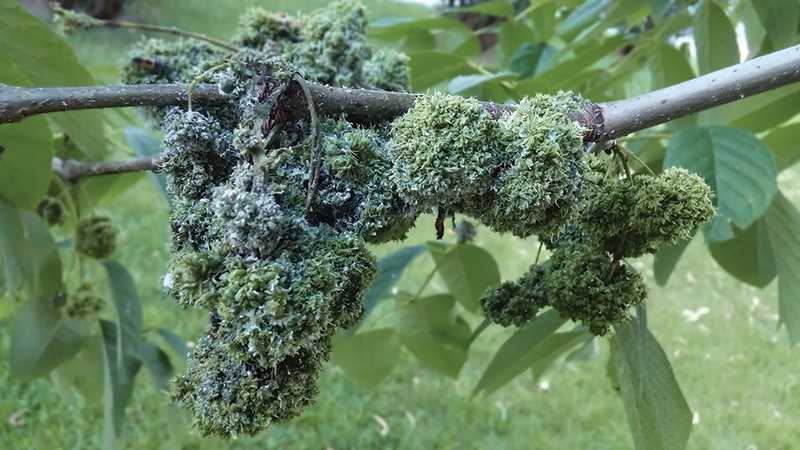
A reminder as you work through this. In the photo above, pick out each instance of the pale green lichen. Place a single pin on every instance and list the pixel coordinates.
(96, 237)
(259, 28)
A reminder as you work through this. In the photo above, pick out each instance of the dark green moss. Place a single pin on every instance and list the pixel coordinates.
(96, 237)
(83, 303)
(51, 210)
(516, 302)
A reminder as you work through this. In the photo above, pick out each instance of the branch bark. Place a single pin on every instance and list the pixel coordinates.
(71, 170)
(603, 121)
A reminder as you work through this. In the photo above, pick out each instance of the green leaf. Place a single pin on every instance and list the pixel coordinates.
(103, 190)
(82, 371)
(45, 278)
(176, 342)
(467, 270)
(390, 269)
(512, 35)
(431, 68)
(429, 331)
(144, 144)
(158, 363)
(660, 7)
(714, 37)
(780, 19)
(784, 145)
(748, 256)
(395, 28)
(666, 259)
(771, 114)
(119, 382)
(42, 338)
(527, 58)
(669, 66)
(739, 168)
(518, 352)
(465, 82)
(17, 258)
(544, 21)
(419, 41)
(657, 412)
(589, 351)
(783, 221)
(129, 313)
(48, 61)
(496, 8)
(563, 74)
(588, 12)
(554, 346)
(367, 357)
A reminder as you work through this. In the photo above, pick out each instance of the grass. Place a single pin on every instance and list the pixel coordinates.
(734, 365)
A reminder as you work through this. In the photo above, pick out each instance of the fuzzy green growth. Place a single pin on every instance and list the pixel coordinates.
(68, 21)
(83, 303)
(445, 151)
(516, 302)
(538, 188)
(585, 285)
(259, 29)
(51, 210)
(178, 61)
(630, 219)
(387, 70)
(96, 237)
(465, 232)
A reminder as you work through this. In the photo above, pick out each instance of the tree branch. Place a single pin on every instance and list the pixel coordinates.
(71, 170)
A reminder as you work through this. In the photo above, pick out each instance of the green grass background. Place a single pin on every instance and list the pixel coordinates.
(734, 365)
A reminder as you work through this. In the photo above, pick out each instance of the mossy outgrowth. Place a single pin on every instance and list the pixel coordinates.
(83, 303)
(96, 237)
(51, 210)
(273, 211)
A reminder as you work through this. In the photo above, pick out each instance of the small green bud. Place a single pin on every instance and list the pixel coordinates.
(83, 303)
(51, 210)
(96, 237)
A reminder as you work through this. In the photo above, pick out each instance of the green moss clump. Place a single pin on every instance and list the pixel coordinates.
(179, 61)
(259, 28)
(516, 302)
(333, 47)
(96, 237)
(83, 303)
(387, 70)
(630, 219)
(586, 285)
(51, 210)
(445, 150)
(538, 188)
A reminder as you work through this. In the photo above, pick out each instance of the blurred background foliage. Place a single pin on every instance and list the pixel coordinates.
(736, 370)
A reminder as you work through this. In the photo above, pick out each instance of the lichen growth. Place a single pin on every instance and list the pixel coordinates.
(262, 30)
(83, 303)
(516, 302)
(96, 237)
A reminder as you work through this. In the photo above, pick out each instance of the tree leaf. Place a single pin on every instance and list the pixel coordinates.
(666, 259)
(780, 19)
(129, 313)
(543, 18)
(771, 115)
(512, 35)
(669, 66)
(657, 412)
(144, 144)
(119, 382)
(467, 270)
(589, 11)
(589, 351)
(158, 363)
(45, 279)
(527, 58)
(739, 168)
(554, 346)
(395, 28)
(42, 338)
(17, 258)
(464, 82)
(390, 269)
(429, 331)
(518, 352)
(417, 41)
(176, 342)
(82, 371)
(783, 221)
(784, 145)
(367, 357)
(48, 61)
(431, 68)
(103, 190)
(26, 150)
(748, 256)
(496, 8)
(714, 37)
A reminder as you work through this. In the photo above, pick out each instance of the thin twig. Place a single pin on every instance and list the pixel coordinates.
(200, 77)
(71, 170)
(316, 149)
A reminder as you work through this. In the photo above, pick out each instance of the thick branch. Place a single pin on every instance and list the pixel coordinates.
(17, 103)
(717, 88)
(71, 170)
